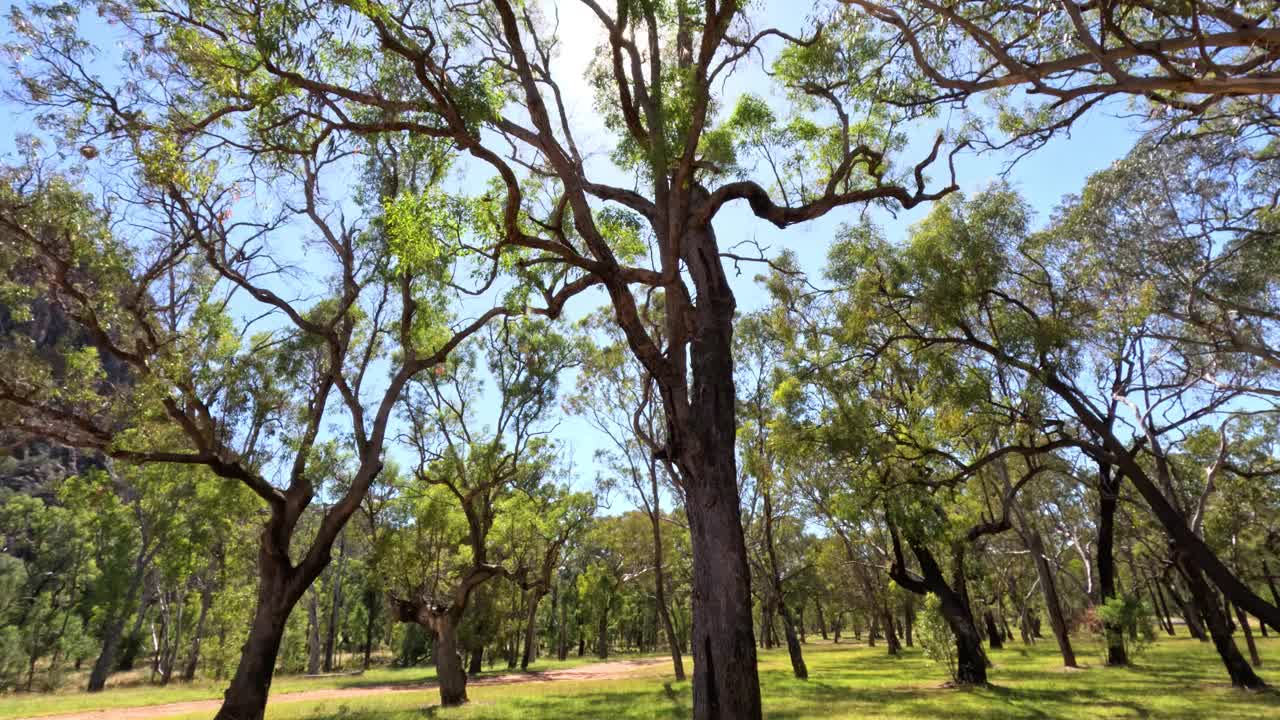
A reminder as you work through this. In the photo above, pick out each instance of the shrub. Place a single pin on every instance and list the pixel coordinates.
(1128, 617)
(935, 636)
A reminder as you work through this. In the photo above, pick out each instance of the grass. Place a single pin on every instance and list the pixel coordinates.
(1174, 678)
(138, 694)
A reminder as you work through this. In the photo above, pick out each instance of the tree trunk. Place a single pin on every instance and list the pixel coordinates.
(531, 630)
(477, 662)
(1049, 586)
(113, 632)
(335, 604)
(1109, 492)
(971, 661)
(1254, 657)
(313, 635)
(1190, 615)
(1275, 592)
(562, 630)
(798, 667)
(822, 621)
(1206, 601)
(1161, 609)
(602, 637)
(449, 672)
(246, 697)
(891, 632)
(908, 619)
(702, 432)
(994, 639)
(370, 606)
(193, 656)
(1193, 549)
(659, 578)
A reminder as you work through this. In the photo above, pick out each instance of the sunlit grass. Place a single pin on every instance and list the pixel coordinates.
(1178, 678)
(1174, 679)
(71, 700)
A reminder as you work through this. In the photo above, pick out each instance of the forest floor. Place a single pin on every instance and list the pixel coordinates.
(348, 687)
(1173, 678)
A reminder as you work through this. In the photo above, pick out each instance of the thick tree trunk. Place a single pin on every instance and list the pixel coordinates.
(246, 697)
(477, 662)
(1049, 586)
(1109, 492)
(971, 661)
(703, 432)
(1206, 601)
(449, 672)
(890, 631)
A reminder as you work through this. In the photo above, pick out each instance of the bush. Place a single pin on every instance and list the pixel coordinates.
(1128, 617)
(935, 636)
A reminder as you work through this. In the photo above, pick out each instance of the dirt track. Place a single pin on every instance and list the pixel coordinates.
(595, 671)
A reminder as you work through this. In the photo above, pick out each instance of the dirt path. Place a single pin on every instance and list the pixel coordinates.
(594, 671)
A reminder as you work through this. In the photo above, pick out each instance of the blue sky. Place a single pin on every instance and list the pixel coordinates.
(1042, 177)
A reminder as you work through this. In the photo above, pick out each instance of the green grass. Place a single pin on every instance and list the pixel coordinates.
(136, 694)
(1178, 678)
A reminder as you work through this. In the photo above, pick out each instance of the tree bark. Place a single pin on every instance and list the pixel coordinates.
(822, 621)
(994, 639)
(971, 661)
(1190, 615)
(890, 631)
(449, 671)
(702, 432)
(246, 697)
(798, 668)
(602, 634)
(1254, 657)
(908, 619)
(113, 632)
(659, 576)
(531, 630)
(1206, 601)
(335, 604)
(193, 656)
(1049, 586)
(313, 635)
(1108, 497)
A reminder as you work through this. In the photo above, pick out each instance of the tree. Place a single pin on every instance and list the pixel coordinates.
(1012, 309)
(468, 474)
(250, 409)
(618, 398)
(481, 77)
(1203, 64)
